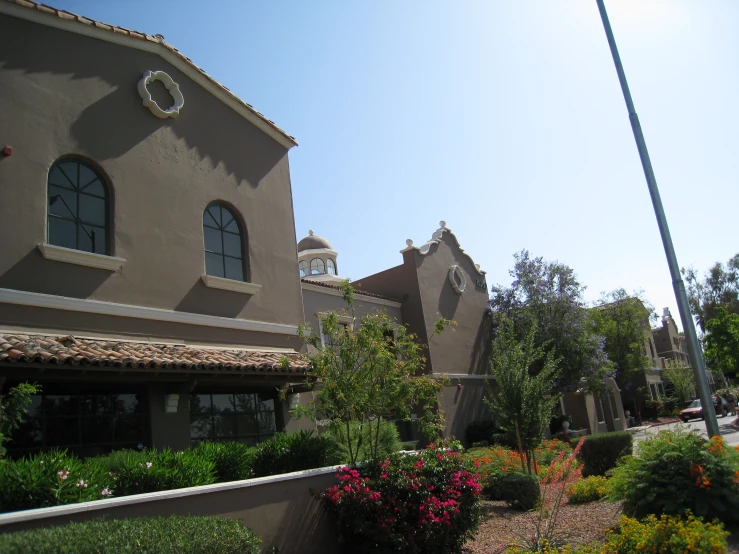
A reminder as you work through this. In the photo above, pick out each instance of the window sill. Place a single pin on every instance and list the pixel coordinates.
(230, 284)
(79, 257)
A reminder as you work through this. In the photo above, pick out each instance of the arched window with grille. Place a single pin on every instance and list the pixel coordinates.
(330, 267)
(317, 266)
(303, 267)
(77, 215)
(224, 244)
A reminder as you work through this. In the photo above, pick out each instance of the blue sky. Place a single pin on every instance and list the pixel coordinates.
(505, 119)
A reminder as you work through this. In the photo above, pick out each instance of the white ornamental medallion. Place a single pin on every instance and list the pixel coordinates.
(456, 278)
(173, 89)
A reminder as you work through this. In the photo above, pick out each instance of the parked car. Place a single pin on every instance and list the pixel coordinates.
(695, 410)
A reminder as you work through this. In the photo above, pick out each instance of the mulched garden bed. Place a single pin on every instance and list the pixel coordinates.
(502, 526)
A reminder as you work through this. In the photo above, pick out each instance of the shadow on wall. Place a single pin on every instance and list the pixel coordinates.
(117, 122)
(448, 301)
(306, 525)
(35, 274)
(203, 300)
(483, 348)
(464, 406)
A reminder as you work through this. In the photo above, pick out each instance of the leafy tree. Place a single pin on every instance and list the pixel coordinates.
(623, 320)
(682, 379)
(722, 342)
(521, 399)
(548, 297)
(367, 374)
(13, 410)
(718, 289)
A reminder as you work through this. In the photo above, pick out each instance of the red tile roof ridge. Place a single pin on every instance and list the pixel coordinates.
(71, 350)
(69, 16)
(357, 291)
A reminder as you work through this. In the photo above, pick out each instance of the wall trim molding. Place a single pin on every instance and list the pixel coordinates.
(357, 295)
(80, 257)
(230, 284)
(74, 26)
(69, 509)
(50, 301)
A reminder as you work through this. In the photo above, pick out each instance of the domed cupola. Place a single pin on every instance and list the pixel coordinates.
(317, 260)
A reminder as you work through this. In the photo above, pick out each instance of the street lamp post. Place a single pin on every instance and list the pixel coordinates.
(696, 358)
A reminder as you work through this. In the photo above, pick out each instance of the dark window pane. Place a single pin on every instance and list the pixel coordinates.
(267, 422)
(95, 188)
(234, 269)
(223, 403)
(246, 424)
(62, 233)
(34, 408)
(126, 404)
(56, 177)
(97, 429)
(215, 212)
(209, 219)
(92, 210)
(129, 428)
(29, 434)
(225, 425)
(212, 240)
(98, 404)
(266, 404)
(245, 402)
(70, 170)
(230, 223)
(200, 404)
(61, 405)
(85, 238)
(232, 245)
(201, 426)
(87, 177)
(214, 264)
(61, 431)
(62, 202)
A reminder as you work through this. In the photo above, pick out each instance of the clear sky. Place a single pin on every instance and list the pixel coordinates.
(505, 119)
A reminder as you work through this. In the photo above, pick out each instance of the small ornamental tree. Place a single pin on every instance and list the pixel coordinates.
(369, 372)
(682, 379)
(521, 400)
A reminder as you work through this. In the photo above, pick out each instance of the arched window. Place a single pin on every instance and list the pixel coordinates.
(317, 267)
(77, 207)
(331, 267)
(303, 266)
(224, 251)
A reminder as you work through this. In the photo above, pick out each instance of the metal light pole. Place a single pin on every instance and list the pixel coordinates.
(696, 359)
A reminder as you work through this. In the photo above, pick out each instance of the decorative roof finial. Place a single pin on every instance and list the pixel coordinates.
(442, 224)
(310, 232)
(409, 242)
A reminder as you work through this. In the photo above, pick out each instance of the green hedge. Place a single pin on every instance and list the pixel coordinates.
(232, 460)
(285, 453)
(171, 535)
(600, 452)
(519, 491)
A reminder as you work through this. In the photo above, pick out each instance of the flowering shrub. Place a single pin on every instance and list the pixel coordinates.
(676, 471)
(589, 489)
(427, 503)
(50, 479)
(667, 535)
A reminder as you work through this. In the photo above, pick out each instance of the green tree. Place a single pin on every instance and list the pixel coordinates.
(521, 399)
(369, 373)
(548, 297)
(722, 342)
(719, 288)
(623, 319)
(13, 410)
(682, 379)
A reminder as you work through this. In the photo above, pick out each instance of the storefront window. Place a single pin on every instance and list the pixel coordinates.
(248, 417)
(87, 424)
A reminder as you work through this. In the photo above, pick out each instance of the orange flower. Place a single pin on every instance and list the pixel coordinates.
(736, 477)
(716, 446)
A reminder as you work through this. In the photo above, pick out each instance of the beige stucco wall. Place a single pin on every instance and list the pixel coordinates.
(65, 94)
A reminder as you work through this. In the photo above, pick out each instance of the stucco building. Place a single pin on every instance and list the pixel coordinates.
(151, 280)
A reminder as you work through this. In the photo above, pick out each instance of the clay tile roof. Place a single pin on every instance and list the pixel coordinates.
(68, 350)
(62, 14)
(356, 290)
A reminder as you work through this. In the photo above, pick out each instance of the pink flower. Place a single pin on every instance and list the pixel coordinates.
(148, 465)
(105, 492)
(81, 484)
(63, 475)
